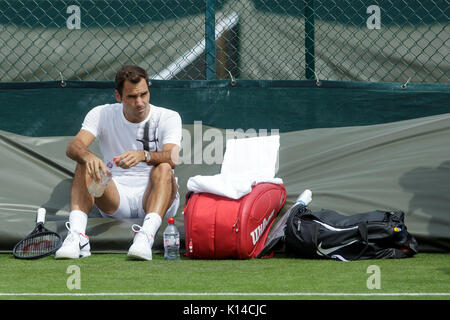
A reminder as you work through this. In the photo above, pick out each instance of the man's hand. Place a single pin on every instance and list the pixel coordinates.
(130, 158)
(93, 167)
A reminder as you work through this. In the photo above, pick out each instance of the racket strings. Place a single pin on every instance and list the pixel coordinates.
(38, 245)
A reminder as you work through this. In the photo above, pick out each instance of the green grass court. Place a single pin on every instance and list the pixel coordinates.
(113, 276)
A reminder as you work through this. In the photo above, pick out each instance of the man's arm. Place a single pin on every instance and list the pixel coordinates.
(77, 150)
(168, 155)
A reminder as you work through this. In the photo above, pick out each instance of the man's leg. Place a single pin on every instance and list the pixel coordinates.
(162, 190)
(76, 243)
(81, 201)
(158, 197)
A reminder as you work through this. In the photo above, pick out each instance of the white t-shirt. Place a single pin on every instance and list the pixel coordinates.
(117, 135)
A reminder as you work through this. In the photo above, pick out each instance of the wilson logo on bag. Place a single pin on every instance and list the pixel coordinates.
(256, 234)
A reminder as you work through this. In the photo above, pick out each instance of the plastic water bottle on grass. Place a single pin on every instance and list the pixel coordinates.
(171, 241)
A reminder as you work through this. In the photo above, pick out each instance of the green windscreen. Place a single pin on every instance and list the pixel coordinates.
(48, 109)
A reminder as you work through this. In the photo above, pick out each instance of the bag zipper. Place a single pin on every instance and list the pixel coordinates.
(191, 249)
(191, 246)
(235, 225)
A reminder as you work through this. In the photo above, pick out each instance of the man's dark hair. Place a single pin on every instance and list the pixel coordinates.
(131, 73)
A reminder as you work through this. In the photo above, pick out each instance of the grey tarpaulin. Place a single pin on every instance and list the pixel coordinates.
(400, 165)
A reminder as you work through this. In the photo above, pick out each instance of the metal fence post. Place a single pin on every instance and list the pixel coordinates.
(210, 26)
(309, 40)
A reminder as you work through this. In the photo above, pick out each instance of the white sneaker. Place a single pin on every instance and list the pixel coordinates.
(76, 245)
(141, 248)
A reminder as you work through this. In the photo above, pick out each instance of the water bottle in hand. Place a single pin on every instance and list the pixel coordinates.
(96, 189)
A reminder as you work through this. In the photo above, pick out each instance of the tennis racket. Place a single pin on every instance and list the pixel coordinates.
(40, 242)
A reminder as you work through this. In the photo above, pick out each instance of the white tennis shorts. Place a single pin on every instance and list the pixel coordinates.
(131, 191)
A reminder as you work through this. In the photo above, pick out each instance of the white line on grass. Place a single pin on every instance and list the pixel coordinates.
(326, 294)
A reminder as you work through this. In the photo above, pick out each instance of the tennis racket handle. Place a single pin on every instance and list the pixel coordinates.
(41, 215)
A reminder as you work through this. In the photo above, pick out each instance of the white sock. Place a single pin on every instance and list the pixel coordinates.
(152, 222)
(78, 221)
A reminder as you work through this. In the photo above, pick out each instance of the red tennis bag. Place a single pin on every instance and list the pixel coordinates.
(217, 227)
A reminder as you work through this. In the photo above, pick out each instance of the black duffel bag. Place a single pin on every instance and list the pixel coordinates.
(328, 234)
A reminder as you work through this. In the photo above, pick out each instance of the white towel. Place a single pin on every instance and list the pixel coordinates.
(246, 162)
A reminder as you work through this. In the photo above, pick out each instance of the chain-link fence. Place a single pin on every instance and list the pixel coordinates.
(357, 40)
